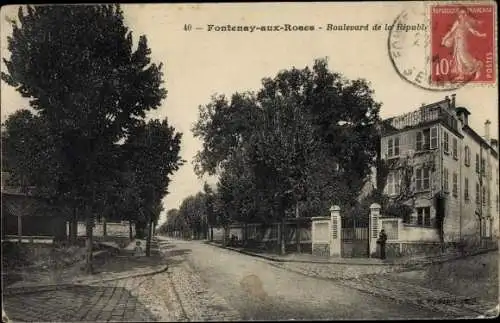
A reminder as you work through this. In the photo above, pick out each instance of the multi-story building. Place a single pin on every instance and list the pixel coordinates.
(433, 154)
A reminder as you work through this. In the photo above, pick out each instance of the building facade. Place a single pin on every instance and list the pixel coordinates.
(442, 168)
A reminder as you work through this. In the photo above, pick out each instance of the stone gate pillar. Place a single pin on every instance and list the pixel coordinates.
(374, 227)
(336, 229)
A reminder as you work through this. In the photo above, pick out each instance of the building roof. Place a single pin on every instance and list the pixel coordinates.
(426, 115)
(462, 110)
(480, 140)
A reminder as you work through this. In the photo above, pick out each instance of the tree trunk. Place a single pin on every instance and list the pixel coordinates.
(75, 230)
(130, 233)
(70, 230)
(225, 236)
(73, 226)
(244, 234)
(89, 241)
(19, 228)
(297, 234)
(148, 241)
(104, 226)
(283, 235)
(211, 233)
(297, 237)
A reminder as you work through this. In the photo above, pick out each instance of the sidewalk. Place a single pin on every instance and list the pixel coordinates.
(126, 288)
(109, 265)
(407, 262)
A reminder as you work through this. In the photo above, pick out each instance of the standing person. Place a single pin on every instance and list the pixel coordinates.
(382, 238)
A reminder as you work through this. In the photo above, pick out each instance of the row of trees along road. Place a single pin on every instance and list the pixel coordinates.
(85, 143)
(305, 140)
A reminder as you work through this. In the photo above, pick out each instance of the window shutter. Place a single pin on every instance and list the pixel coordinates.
(383, 148)
(397, 146)
(434, 137)
(419, 141)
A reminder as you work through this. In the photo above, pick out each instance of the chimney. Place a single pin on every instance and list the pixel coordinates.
(487, 130)
(448, 103)
(453, 101)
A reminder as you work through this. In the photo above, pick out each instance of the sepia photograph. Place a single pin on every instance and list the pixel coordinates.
(246, 161)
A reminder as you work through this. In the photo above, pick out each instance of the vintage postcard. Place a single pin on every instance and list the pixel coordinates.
(250, 161)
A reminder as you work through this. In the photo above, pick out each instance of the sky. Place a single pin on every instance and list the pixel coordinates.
(200, 63)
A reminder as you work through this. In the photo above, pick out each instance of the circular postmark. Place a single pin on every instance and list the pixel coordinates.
(409, 45)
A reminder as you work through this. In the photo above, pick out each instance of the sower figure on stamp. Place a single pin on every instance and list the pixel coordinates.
(463, 64)
(382, 238)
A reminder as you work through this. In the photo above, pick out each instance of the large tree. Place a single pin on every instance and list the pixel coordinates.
(152, 151)
(77, 66)
(304, 137)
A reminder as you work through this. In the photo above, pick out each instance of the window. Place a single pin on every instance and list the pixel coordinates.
(434, 137)
(466, 189)
(455, 148)
(446, 144)
(393, 183)
(445, 180)
(483, 166)
(424, 140)
(422, 179)
(455, 184)
(488, 200)
(477, 163)
(486, 227)
(393, 147)
(467, 156)
(484, 196)
(424, 216)
(478, 194)
(420, 140)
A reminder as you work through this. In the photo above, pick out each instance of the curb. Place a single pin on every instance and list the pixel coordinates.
(149, 273)
(52, 287)
(332, 262)
(413, 264)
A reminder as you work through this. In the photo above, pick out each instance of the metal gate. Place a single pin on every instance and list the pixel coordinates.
(355, 236)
